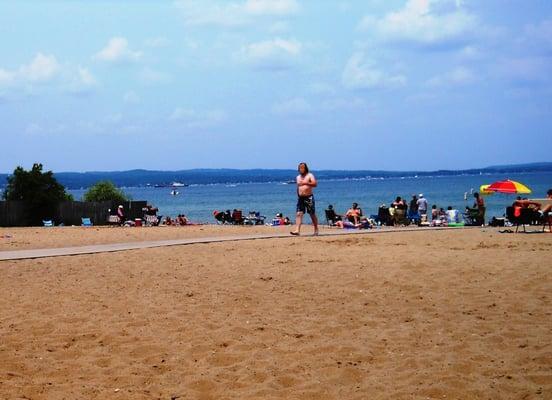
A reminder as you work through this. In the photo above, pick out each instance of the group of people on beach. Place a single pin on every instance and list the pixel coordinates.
(400, 212)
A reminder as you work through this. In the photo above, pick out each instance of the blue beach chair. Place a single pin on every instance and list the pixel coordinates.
(86, 222)
(48, 223)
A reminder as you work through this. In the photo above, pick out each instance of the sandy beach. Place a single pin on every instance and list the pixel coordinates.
(461, 314)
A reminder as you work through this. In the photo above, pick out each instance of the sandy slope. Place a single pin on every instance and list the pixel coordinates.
(450, 314)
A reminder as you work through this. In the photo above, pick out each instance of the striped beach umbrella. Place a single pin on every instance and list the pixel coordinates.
(509, 187)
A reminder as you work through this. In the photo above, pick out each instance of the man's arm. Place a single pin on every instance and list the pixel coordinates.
(312, 181)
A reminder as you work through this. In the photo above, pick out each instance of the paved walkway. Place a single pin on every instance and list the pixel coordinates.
(108, 248)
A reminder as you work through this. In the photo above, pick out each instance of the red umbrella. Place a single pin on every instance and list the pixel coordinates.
(509, 187)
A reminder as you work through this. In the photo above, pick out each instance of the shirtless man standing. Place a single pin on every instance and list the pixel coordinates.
(305, 199)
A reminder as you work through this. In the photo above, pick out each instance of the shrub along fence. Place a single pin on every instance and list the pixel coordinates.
(14, 213)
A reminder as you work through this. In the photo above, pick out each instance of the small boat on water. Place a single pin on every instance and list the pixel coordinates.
(178, 184)
(171, 185)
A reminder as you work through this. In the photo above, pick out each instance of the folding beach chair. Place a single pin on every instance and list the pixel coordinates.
(48, 223)
(152, 220)
(113, 220)
(331, 217)
(86, 222)
(524, 218)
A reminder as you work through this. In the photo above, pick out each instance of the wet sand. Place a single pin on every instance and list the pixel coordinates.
(433, 314)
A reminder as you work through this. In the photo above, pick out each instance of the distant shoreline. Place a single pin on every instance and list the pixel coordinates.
(150, 178)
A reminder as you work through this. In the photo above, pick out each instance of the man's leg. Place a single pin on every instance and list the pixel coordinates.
(314, 220)
(298, 223)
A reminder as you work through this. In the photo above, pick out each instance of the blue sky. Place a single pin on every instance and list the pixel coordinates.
(372, 84)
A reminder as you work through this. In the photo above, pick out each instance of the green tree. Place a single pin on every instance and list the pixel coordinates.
(105, 191)
(40, 191)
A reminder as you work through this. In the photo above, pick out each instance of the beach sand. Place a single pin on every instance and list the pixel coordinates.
(458, 314)
(41, 237)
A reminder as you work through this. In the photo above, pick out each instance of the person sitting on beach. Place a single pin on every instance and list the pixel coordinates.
(181, 220)
(452, 215)
(434, 213)
(353, 214)
(278, 220)
(331, 215)
(168, 221)
(548, 209)
(526, 203)
(400, 207)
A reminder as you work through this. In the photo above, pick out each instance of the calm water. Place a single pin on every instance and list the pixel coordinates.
(198, 202)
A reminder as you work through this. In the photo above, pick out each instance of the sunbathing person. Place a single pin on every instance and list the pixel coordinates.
(363, 223)
(353, 214)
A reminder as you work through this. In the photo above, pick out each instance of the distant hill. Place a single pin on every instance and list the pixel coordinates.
(139, 177)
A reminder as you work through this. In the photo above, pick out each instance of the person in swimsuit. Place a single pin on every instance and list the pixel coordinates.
(305, 198)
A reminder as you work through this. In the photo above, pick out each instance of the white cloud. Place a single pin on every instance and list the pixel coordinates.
(192, 118)
(231, 14)
(83, 82)
(293, 107)
(362, 73)
(131, 97)
(116, 51)
(459, 76)
(41, 69)
(272, 54)
(425, 22)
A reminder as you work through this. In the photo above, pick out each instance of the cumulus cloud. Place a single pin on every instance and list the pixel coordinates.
(42, 68)
(232, 13)
(423, 22)
(362, 73)
(192, 118)
(83, 81)
(272, 54)
(117, 50)
(297, 106)
(459, 76)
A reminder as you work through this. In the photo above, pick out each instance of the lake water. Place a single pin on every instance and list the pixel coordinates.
(199, 201)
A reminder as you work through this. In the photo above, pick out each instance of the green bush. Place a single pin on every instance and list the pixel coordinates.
(105, 191)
